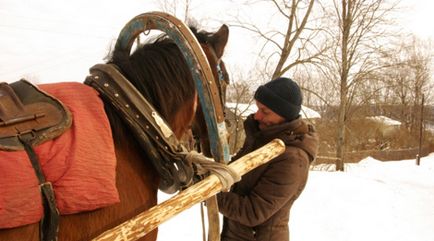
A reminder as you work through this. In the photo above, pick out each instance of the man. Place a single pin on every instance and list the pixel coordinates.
(258, 207)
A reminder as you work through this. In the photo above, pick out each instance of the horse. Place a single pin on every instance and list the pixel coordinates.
(213, 48)
(159, 72)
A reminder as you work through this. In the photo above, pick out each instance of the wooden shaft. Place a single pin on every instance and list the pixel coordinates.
(147, 221)
(213, 219)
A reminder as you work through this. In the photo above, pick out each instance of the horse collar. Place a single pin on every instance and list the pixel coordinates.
(151, 131)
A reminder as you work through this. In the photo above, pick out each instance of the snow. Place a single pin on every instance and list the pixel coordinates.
(429, 127)
(371, 200)
(385, 120)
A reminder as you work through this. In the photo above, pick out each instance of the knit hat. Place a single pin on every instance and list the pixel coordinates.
(281, 95)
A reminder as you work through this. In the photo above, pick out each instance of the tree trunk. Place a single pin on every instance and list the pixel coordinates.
(345, 65)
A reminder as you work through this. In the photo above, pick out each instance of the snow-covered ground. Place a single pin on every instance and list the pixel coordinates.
(370, 201)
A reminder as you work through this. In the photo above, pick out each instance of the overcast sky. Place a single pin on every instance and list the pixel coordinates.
(53, 41)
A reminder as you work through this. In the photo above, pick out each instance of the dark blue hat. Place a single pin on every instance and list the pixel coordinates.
(281, 95)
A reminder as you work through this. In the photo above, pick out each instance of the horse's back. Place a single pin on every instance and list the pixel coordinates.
(83, 156)
(136, 183)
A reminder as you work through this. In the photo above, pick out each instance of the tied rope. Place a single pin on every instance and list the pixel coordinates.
(205, 165)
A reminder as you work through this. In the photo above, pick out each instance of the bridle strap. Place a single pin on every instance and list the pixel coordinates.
(49, 224)
(221, 80)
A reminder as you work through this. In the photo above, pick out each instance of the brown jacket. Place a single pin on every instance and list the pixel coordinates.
(257, 207)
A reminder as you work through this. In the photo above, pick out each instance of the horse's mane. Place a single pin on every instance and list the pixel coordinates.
(159, 71)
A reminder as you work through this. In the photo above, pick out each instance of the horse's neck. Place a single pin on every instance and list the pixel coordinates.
(129, 154)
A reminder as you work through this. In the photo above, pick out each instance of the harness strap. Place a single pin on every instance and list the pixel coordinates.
(49, 225)
(151, 131)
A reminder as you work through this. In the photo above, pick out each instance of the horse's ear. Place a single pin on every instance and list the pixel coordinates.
(220, 39)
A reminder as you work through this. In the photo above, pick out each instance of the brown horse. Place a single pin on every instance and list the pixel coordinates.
(159, 71)
(213, 48)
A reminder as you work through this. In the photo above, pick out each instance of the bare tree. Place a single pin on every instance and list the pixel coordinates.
(289, 42)
(420, 62)
(241, 100)
(358, 33)
(180, 9)
(315, 92)
(240, 97)
(409, 78)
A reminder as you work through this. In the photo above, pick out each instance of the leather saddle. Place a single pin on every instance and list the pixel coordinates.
(28, 117)
(28, 112)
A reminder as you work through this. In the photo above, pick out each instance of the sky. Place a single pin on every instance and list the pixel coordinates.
(417, 17)
(57, 41)
(370, 201)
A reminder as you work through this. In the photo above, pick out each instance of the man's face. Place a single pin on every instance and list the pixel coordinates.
(266, 117)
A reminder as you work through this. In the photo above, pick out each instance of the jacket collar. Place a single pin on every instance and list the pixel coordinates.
(296, 133)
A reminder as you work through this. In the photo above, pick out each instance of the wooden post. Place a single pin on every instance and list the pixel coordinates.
(420, 132)
(145, 222)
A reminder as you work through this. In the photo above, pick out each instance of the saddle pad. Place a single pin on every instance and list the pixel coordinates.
(80, 163)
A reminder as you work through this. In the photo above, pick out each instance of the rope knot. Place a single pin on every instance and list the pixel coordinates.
(206, 165)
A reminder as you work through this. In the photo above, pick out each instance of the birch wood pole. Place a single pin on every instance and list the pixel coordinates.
(147, 221)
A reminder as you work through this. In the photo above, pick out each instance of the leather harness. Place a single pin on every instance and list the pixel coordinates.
(151, 131)
(28, 117)
(29, 113)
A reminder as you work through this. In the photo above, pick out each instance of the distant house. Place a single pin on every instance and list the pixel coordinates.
(236, 113)
(386, 126)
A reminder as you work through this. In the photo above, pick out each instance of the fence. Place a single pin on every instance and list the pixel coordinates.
(384, 155)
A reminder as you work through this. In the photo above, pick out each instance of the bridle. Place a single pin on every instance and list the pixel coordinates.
(222, 78)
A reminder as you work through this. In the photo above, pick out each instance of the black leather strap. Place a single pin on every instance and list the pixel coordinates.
(49, 225)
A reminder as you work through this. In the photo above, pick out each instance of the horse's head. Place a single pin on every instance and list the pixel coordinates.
(159, 71)
(163, 76)
(213, 45)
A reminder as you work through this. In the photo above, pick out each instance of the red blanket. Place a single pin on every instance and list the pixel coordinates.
(80, 163)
